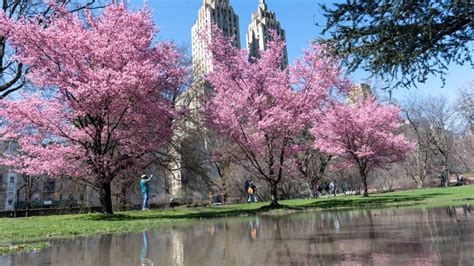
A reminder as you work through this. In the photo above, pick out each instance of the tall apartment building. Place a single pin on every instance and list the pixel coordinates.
(259, 32)
(218, 12)
(188, 136)
(190, 140)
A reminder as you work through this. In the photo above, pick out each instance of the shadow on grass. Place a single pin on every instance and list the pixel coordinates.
(196, 215)
(375, 201)
(464, 199)
(371, 201)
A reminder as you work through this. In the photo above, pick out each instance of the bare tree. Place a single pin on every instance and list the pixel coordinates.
(313, 165)
(222, 161)
(417, 166)
(464, 109)
(441, 140)
(464, 127)
(437, 126)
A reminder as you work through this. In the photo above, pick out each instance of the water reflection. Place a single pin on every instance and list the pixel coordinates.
(417, 236)
(144, 253)
(253, 226)
(177, 248)
(457, 213)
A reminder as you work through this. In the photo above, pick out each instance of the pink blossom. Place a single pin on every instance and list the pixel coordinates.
(362, 135)
(110, 105)
(261, 106)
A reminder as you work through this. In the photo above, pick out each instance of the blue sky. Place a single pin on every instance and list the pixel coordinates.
(298, 17)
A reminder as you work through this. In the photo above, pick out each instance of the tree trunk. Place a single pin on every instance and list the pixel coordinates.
(363, 174)
(274, 195)
(223, 188)
(364, 181)
(446, 181)
(314, 188)
(82, 193)
(222, 184)
(422, 182)
(15, 206)
(123, 197)
(105, 194)
(28, 196)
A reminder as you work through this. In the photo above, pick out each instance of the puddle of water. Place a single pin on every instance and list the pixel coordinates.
(381, 237)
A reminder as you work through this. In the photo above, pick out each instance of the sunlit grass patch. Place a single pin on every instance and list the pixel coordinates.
(23, 248)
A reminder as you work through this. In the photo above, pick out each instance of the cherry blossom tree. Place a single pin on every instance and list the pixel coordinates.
(363, 135)
(261, 106)
(110, 104)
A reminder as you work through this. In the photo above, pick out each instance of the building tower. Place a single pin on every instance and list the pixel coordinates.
(359, 92)
(221, 13)
(263, 21)
(218, 12)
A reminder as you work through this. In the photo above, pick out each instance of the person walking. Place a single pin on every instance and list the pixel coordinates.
(246, 189)
(145, 186)
(332, 188)
(252, 193)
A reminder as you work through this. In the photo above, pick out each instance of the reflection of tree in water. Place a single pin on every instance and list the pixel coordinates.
(459, 213)
(458, 235)
(228, 240)
(422, 235)
(213, 243)
(102, 257)
(380, 237)
(467, 210)
(358, 237)
(279, 250)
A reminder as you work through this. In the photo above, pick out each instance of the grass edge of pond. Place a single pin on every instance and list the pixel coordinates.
(23, 248)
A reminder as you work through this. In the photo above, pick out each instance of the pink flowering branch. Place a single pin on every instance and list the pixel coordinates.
(362, 135)
(262, 107)
(111, 104)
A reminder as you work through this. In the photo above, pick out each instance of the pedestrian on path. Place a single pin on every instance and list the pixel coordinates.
(332, 188)
(246, 189)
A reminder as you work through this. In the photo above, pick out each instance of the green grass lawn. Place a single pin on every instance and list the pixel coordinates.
(36, 230)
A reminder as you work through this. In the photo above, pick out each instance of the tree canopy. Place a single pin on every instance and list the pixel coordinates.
(362, 135)
(261, 106)
(112, 102)
(401, 40)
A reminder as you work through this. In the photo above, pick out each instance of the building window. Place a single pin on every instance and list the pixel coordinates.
(12, 179)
